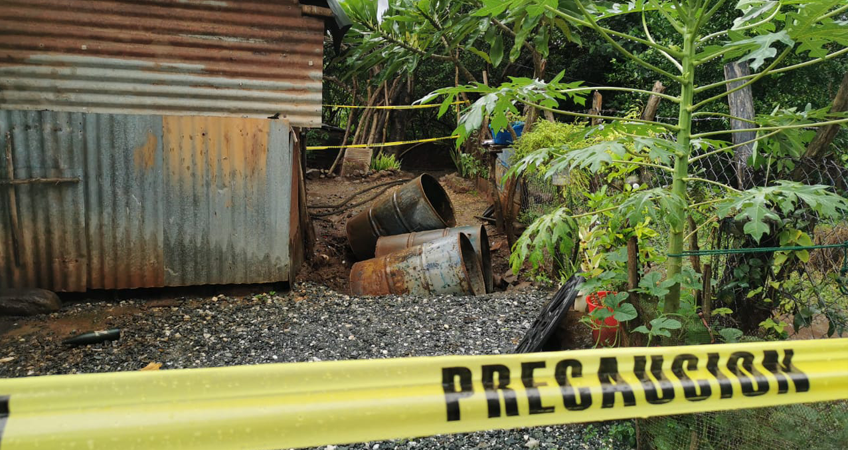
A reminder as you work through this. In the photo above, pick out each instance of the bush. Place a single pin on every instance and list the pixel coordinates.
(468, 165)
(384, 162)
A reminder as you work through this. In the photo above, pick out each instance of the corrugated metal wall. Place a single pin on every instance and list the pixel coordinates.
(162, 201)
(172, 57)
(43, 236)
(228, 199)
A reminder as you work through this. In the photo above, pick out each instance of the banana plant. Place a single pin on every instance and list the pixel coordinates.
(764, 35)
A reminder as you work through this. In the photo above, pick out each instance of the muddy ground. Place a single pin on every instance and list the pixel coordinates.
(333, 259)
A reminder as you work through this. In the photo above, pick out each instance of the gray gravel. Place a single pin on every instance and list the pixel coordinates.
(311, 323)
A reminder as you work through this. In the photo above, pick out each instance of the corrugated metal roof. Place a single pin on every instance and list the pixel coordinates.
(161, 201)
(170, 57)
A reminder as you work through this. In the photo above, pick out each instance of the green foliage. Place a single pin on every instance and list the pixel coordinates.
(760, 205)
(468, 165)
(384, 162)
(764, 32)
(660, 326)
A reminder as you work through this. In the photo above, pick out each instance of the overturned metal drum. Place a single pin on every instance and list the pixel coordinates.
(476, 234)
(445, 266)
(420, 205)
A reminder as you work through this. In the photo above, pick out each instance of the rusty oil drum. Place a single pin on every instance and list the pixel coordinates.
(476, 234)
(420, 205)
(445, 266)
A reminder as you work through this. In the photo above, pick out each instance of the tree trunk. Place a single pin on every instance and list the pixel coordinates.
(741, 105)
(824, 137)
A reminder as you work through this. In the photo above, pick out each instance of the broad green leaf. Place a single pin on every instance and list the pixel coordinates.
(730, 335)
(759, 48)
(479, 53)
(625, 312)
(496, 53)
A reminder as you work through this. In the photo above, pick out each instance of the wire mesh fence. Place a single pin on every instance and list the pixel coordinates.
(804, 299)
(814, 426)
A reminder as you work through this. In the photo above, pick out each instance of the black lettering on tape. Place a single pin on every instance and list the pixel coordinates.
(568, 397)
(611, 382)
(724, 384)
(533, 397)
(689, 390)
(651, 391)
(452, 395)
(493, 393)
(799, 379)
(4, 414)
(745, 381)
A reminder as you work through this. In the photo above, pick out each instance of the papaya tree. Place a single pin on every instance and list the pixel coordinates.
(765, 33)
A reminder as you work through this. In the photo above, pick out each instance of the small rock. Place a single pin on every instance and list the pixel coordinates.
(28, 302)
(532, 443)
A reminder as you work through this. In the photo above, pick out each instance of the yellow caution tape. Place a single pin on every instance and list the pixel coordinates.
(310, 404)
(386, 144)
(437, 105)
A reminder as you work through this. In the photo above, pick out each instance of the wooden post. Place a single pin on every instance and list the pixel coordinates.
(633, 266)
(693, 247)
(496, 193)
(597, 102)
(707, 293)
(741, 105)
(650, 112)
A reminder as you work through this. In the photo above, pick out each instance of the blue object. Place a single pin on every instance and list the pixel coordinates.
(503, 137)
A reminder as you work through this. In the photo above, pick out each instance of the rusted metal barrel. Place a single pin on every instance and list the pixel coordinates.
(420, 205)
(476, 234)
(445, 266)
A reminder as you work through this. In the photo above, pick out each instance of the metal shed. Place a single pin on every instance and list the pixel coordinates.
(139, 149)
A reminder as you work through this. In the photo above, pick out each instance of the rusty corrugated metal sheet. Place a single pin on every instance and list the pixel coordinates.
(48, 249)
(227, 200)
(124, 201)
(171, 57)
(161, 201)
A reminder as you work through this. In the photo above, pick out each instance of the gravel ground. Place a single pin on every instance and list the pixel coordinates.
(311, 323)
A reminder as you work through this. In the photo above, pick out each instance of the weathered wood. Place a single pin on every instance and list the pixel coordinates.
(707, 292)
(633, 266)
(633, 269)
(509, 211)
(496, 193)
(350, 118)
(741, 105)
(693, 247)
(17, 237)
(825, 135)
(650, 112)
(597, 103)
(310, 10)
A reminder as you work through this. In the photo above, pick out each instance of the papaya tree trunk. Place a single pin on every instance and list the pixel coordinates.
(677, 210)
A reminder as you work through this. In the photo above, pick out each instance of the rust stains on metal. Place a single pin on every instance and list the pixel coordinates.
(420, 205)
(237, 59)
(175, 209)
(145, 155)
(239, 147)
(475, 233)
(445, 266)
